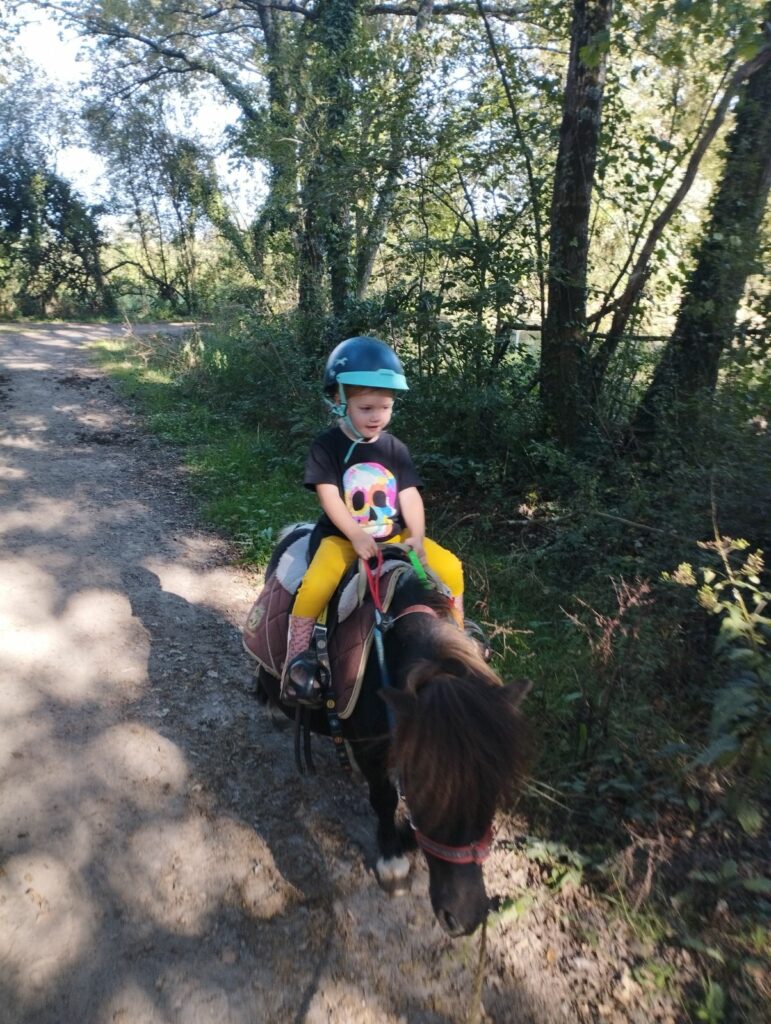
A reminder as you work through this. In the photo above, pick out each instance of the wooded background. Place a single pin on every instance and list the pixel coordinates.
(557, 213)
(439, 172)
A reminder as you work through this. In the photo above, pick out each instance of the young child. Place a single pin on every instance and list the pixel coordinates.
(368, 489)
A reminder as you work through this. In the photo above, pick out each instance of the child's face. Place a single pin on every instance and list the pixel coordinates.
(370, 412)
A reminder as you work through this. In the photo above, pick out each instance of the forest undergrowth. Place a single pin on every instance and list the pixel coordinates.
(628, 585)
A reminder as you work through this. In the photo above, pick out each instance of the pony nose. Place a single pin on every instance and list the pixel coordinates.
(450, 925)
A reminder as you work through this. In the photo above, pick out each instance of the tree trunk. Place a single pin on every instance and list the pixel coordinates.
(382, 208)
(724, 259)
(565, 367)
(280, 211)
(310, 256)
(379, 217)
(624, 306)
(328, 226)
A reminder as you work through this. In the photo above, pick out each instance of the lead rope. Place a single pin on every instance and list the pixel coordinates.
(475, 1008)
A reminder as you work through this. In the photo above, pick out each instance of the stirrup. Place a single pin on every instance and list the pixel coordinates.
(477, 634)
(299, 682)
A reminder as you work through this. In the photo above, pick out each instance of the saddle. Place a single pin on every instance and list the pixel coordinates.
(350, 623)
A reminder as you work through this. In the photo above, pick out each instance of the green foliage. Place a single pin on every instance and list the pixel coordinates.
(712, 1007)
(740, 727)
(728, 877)
(165, 187)
(561, 866)
(203, 394)
(51, 245)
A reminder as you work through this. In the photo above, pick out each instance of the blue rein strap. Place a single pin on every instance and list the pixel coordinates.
(384, 676)
(383, 623)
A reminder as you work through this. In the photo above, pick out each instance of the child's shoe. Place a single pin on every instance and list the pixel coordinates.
(299, 684)
(471, 628)
(478, 635)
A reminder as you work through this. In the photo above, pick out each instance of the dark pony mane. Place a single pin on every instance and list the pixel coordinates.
(461, 747)
(411, 591)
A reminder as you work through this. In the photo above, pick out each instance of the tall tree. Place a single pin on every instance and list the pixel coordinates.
(623, 306)
(50, 241)
(565, 366)
(326, 192)
(724, 258)
(301, 75)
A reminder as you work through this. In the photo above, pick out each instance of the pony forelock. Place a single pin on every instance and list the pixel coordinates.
(461, 752)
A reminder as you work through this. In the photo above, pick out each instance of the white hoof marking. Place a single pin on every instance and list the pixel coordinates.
(394, 870)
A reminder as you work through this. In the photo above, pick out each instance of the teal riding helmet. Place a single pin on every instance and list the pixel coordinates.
(366, 362)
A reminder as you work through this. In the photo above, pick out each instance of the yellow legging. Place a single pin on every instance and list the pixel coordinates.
(336, 554)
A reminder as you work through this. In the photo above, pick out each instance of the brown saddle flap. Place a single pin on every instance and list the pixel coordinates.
(350, 644)
(265, 632)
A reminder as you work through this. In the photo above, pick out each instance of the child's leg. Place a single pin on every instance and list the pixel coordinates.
(333, 557)
(449, 569)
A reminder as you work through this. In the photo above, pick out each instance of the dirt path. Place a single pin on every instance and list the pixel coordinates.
(160, 860)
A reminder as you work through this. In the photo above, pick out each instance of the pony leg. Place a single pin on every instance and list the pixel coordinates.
(392, 868)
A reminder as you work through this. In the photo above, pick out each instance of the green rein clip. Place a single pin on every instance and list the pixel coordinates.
(417, 565)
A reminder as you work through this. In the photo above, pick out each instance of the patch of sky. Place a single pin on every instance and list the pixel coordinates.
(63, 58)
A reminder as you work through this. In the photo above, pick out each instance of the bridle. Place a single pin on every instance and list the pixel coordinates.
(475, 852)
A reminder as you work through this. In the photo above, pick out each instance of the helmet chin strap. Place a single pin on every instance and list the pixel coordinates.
(340, 409)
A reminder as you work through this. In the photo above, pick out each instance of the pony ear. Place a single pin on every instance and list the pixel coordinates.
(517, 690)
(402, 703)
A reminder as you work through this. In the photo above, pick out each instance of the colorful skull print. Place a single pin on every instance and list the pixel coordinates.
(370, 496)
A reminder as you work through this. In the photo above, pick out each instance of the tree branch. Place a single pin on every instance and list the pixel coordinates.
(625, 303)
(114, 31)
(526, 154)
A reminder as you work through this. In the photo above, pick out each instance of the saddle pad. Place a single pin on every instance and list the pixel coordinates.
(293, 564)
(265, 632)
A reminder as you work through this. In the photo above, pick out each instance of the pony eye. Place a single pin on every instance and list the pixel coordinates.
(357, 500)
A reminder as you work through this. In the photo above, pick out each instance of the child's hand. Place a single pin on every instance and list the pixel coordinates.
(416, 543)
(364, 545)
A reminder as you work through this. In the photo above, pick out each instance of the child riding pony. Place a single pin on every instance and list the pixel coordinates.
(369, 492)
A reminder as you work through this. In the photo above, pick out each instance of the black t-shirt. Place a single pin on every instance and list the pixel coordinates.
(369, 482)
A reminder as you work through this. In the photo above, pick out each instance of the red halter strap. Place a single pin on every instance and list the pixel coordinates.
(472, 853)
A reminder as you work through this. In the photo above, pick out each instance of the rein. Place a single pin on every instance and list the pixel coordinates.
(384, 622)
(472, 853)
